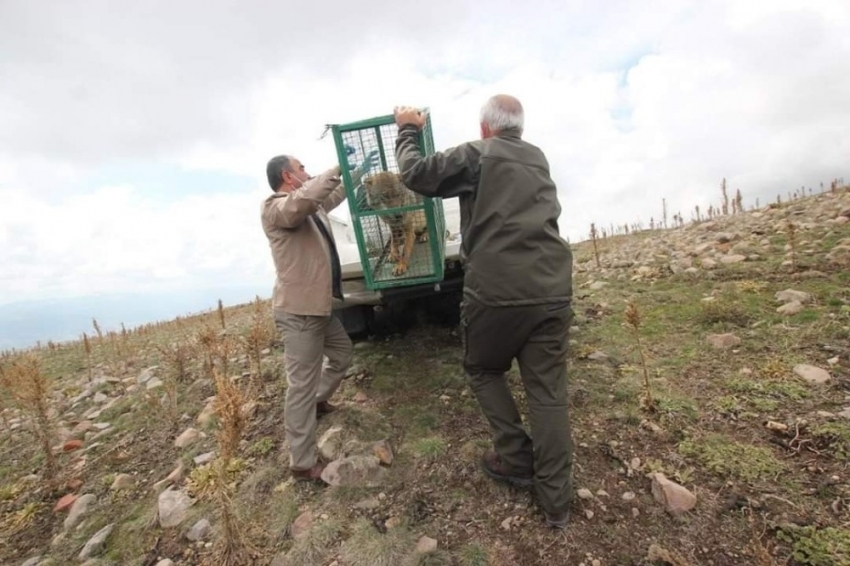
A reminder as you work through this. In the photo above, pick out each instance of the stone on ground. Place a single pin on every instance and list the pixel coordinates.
(812, 374)
(676, 499)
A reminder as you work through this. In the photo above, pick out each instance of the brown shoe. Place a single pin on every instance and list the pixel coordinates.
(495, 468)
(312, 474)
(324, 408)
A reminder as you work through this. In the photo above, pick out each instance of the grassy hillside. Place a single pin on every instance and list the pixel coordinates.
(730, 377)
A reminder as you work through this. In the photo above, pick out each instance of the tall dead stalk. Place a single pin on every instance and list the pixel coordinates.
(231, 548)
(30, 390)
(633, 319)
(593, 235)
(792, 242)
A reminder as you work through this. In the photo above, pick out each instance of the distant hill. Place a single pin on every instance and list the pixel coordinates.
(23, 324)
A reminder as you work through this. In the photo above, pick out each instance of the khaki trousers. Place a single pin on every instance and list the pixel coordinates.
(307, 341)
(537, 337)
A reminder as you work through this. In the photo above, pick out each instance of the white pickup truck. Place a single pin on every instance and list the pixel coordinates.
(365, 312)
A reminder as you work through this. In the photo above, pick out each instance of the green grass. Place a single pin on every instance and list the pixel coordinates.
(834, 437)
(432, 558)
(430, 448)
(726, 457)
(776, 389)
(474, 555)
(817, 547)
(368, 547)
(316, 546)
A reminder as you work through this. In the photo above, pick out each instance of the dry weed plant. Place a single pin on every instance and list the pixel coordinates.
(633, 320)
(87, 350)
(792, 242)
(177, 356)
(593, 235)
(29, 389)
(260, 336)
(208, 338)
(231, 548)
(221, 314)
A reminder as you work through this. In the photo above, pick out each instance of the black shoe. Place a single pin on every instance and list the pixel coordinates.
(324, 408)
(494, 468)
(557, 520)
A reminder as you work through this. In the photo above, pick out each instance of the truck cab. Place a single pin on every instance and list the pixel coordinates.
(365, 312)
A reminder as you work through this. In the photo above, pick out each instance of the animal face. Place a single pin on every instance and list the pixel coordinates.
(385, 190)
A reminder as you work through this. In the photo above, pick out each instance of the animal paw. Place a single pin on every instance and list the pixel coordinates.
(400, 268)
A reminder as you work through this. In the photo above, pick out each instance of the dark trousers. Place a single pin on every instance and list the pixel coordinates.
(536, 336)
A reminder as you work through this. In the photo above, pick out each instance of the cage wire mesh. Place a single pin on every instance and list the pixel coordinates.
(400, 234)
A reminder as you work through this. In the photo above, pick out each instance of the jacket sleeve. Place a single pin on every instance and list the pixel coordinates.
(335, 198)
(444, 174)
(292, 209)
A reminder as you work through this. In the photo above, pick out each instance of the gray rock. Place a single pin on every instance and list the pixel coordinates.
(790, 309)
(368, 504)
(173, 507)
(723, 341)
(584, 494)
(199, 531)
(145, 376)
(97, 543)
(80, 507)
(361, 471)
(34, 561)
(426, 544)
(165, 562)
(122, 481)
(789, 295)
(204, 458)
(301, 525)
(207, 414)
(812, 374)
(330, 443)
(733, 258)
(676, 499)
(187, 438)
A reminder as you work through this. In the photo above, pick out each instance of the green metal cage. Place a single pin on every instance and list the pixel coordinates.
(384, 213)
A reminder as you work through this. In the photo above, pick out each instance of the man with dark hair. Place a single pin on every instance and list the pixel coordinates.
(296, 223)
(517, 276)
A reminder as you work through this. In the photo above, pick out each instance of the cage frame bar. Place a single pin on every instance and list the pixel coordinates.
(432, 209)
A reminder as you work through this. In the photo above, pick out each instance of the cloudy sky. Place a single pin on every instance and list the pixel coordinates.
(133, 136)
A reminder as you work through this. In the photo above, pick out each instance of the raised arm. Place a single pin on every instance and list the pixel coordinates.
(291, 209)
(444, 174)
(338, 195)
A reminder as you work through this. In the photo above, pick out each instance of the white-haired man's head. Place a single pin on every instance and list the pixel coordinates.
(501, 113)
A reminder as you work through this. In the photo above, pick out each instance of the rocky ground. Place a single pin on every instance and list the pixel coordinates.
(712, 426)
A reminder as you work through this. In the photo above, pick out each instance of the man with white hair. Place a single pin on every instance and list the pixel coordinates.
(517, 297)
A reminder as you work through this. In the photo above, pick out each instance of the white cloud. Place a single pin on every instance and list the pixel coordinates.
(631, 102)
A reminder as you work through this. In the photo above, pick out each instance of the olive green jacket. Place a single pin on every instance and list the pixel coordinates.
(511, 249)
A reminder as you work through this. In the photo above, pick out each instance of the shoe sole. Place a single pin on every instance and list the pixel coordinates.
(513, 480)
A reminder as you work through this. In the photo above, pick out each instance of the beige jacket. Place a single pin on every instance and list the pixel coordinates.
(299, 250)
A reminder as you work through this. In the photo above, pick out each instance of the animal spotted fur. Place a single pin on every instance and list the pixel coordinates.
(386, 190)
